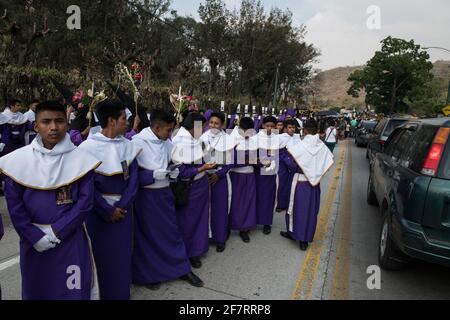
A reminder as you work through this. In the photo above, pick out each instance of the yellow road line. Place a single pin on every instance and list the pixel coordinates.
(341, 275)
(306, 278)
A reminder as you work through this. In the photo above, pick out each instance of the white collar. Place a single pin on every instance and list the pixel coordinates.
(187, 150)
(242, 143)
(111, 152)
(155, 152)
(218, 141)
(286, 139)
(30, 115)
(313, 157)
(16, 118)
(36, 167)
(268, 142)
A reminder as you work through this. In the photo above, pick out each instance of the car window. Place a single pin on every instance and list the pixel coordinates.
(444, 173)
(391, 126)
(369, 125)
(392, 144)
(380, 126)
(420, 142)
(402, 144)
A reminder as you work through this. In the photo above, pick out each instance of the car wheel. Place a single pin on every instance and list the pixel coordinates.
(371, 197)
(389, 257)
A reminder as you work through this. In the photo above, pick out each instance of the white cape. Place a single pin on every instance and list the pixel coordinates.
(219, 147)
(111, 152)
(30, 115)
(286, 139)
(313, 157)
(155, 152)
(249, 143)
(186, 150)
(17, 118)
(36, 167)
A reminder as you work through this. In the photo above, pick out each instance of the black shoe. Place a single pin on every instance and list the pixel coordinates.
(267, 229)
(286, 235)
(153, 286)
(280, 210)
(244, 236)
(303, 246)
(195, 262)
(193, 280)
(220, 248)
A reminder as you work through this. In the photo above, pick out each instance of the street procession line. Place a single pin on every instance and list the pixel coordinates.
(9, 263)
(341, 275)
(305, 281)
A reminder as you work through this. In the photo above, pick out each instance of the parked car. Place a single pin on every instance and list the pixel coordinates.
(363, 131)
(382, 131)
(410, 181)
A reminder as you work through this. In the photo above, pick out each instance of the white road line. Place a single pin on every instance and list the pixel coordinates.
(9, 263)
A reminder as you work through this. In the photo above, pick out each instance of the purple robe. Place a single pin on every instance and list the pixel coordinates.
(306, 208)
(112, 242)
(159, 252)
(2, 231)
(45, 275)
(193, 218)
(130, 134)
(13, 136)
(76, 137)
(285, 176)
(266, 190)
(219, 207)
(243, 201)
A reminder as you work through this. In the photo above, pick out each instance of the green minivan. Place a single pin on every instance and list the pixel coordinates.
(410, 181)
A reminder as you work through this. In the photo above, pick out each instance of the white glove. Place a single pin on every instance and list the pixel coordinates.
(272, 166)
(174, 174)
(160, 174)
(2, 146)
(46, 243)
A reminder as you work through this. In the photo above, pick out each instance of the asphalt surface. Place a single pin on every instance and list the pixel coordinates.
(273, 268)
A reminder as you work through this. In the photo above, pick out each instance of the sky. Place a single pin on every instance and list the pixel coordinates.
(339, 28)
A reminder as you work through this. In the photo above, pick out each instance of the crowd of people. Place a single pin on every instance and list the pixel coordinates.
(104, 201)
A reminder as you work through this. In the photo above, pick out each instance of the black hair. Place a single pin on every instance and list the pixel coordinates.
(14, 101)
(34, 101)
(331, 122)
(270, 119)
(218, 115)
(311, 126)
(290, 122)
(246, 123)
(160, 115)
(51, 105)
(191, 119)
(109, 109)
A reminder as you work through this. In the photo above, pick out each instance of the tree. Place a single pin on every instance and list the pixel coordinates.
(392, 74)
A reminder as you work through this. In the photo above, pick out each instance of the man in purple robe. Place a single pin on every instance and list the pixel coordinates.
(159, 252)
(219, 147)
(311, 160)
(116, 183)
(243, 203)
(49, 188)
(13, 132)
(285, 174)
(266, 173)
(193, 218)
(31, 116)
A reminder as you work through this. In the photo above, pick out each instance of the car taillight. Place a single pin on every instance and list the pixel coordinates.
(434, 156)
(382, 142)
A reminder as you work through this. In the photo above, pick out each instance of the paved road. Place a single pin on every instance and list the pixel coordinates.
(271, 267)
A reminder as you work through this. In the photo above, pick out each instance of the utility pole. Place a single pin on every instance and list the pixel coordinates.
(275, 94)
